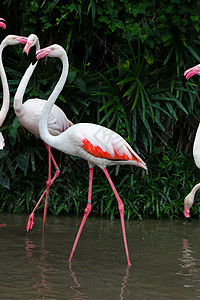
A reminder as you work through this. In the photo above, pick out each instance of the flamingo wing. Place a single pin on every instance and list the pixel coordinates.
(103, 143)
(32, 109)
(57, 121)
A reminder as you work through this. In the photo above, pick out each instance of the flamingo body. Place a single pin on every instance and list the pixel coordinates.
(97, 144)
(189, 199)
(196, 148)
(30, 113)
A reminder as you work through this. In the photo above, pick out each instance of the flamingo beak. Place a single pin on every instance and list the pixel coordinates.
(42, 52)
(21, 39)
(2, 23)
(187, 213)
(192, 71)
(27, 48)
(26, 51)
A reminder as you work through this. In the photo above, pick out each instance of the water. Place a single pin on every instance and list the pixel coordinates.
(165, 260)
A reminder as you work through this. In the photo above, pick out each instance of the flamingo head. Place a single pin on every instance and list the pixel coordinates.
(2, 23)
(32, 40)
(192, 71)
(51, 51)
(188, 202)
(12, 40)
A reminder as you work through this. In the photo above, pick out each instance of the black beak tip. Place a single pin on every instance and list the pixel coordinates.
(189, 219)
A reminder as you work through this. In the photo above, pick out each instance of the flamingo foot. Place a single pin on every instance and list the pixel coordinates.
(30, 222)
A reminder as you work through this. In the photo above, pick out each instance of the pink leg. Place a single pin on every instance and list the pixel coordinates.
(50, 181)
(48, 184)
(86, 213)
(121, 211)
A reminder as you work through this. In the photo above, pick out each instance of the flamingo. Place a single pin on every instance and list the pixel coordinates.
(189, 199)
(96, 144)
(8, 40)
(5, 106)
(28, 114)
(2, 25)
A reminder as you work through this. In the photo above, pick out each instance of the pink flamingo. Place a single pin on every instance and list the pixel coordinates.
(96, 144)
(10, 40)
(189, 199)
(28, 114)
(5, 106)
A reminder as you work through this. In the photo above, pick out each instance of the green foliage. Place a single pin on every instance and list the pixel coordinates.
(127, 61)
(159, 195)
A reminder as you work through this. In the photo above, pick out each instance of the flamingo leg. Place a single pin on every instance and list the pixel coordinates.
(50, 181)
(46, 191)
(48, 184)
(86, 213)
(121, 211)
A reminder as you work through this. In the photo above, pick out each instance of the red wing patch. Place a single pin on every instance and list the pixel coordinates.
(98, 152)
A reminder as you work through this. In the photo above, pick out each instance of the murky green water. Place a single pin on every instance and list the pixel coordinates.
(165, 257)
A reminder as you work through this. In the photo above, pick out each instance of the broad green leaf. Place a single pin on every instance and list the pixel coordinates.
(22, 162)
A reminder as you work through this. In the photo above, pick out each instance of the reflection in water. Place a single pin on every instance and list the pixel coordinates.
(42, 283)
(77, 286)
(124, 282)
(29, 247)
(189, 265)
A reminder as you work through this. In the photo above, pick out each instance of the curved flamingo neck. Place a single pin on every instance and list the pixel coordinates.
(18, 99)
(37, 45)
(195, 188)
(43, 128)
(6, 92)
